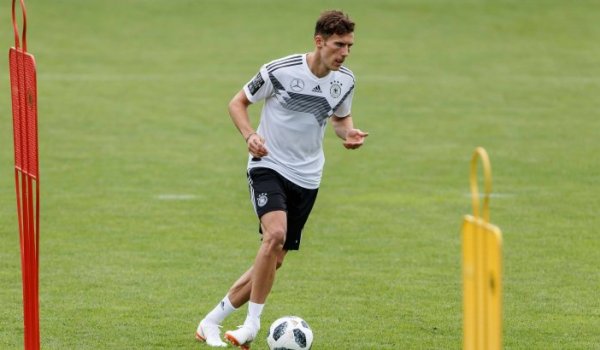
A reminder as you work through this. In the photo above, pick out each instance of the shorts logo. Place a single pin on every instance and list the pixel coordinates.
(262, 199)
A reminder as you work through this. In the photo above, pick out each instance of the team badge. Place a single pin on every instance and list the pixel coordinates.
(336, 89)
(297, 84)
(262, 199)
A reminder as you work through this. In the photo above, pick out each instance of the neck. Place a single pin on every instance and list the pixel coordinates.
(316, 66)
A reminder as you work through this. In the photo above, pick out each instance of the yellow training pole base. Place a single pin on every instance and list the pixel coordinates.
(482, 269)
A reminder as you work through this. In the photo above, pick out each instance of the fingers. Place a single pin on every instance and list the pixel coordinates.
(359, 133)
(352, 145)
(256, 146)
(355, 139)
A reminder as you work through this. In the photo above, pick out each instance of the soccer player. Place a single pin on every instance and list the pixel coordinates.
(302, 93)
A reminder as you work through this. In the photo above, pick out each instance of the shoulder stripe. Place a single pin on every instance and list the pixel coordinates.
(284, 60)
(347, 72)
(283, 65)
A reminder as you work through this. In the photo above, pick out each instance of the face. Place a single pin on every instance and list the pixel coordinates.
(334, 49)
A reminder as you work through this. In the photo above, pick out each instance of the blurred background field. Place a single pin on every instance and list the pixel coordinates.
(145, 212)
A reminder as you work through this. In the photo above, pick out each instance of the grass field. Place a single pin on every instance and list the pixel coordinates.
(145, 216)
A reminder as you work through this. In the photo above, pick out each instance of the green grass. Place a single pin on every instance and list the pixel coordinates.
(132, 107)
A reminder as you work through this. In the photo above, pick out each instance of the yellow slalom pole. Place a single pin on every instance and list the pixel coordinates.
(482, 267)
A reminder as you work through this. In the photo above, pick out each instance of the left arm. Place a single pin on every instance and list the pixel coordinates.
(344, 129)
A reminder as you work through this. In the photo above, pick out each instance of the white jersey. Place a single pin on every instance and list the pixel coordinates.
(293, 119)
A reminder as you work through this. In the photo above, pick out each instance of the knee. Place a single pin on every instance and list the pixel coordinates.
(274, 240)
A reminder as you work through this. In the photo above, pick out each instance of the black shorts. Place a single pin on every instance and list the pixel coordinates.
(270, 191)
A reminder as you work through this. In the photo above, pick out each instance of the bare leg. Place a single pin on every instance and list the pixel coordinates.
(274, 225)
(256, 283)
(239, 293)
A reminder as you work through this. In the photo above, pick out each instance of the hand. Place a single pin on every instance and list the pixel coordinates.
(355, 138)
(256, 146)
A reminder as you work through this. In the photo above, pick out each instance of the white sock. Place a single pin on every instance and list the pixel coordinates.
(222, 310)
(254, 312)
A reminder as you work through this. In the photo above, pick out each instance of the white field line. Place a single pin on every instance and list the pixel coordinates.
(176, 197)
(89, 77)
(392, 78)
(453, 79)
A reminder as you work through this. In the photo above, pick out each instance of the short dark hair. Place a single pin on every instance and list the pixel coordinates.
(333, 22)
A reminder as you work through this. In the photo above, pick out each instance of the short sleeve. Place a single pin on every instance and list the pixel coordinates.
(344, 109)
(260, 87)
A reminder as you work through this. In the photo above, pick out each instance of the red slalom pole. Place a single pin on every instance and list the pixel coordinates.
(27, 184)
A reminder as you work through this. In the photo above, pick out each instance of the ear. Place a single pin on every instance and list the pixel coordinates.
(319, 41)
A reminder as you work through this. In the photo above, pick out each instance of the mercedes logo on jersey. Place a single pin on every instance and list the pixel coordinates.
(297, 84)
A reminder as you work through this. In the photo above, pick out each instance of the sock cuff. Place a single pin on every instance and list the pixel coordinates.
(255, 310)
(226, 303)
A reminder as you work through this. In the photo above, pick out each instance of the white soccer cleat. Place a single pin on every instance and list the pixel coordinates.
(210, 333)
(241, 337)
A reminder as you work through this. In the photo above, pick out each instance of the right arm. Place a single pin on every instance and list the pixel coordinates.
(238, 111)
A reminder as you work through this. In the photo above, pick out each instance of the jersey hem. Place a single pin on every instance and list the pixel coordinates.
(281, 171)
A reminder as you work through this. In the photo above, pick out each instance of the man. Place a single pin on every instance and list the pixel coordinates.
(301, 93)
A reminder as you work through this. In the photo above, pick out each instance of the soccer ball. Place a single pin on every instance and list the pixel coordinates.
(290, 333)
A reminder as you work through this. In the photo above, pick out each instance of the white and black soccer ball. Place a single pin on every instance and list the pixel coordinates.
(290, 333)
